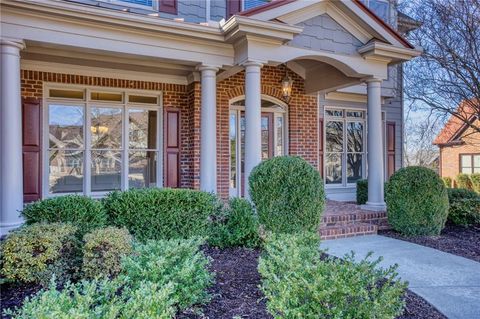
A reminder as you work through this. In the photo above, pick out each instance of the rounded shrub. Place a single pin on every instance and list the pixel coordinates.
(464, 207)
(237, 226)
(83, 212)
(288, 194)
(103, 251)
(417, 202)
(154, 213)
(35, 253)
(362, 191)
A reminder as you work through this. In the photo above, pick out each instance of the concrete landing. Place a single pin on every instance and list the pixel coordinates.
(450, 283)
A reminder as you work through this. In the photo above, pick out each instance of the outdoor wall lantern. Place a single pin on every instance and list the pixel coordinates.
(287, 84)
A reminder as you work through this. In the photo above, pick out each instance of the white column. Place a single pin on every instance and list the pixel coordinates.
(375, 146)
(253, 117)
(208, 129)
(11, 169)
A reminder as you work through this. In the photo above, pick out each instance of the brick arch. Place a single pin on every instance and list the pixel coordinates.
(265, 90)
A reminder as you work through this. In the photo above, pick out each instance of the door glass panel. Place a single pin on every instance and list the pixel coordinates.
(106, 167)
(233, 150)
(279, 143)
(65, 171)
(334, 136)
(354, 167)
(333, 169)
(142, 168)
(106, 128)
(354, 137)
(265, 138)
(142, 129)
(65, 126)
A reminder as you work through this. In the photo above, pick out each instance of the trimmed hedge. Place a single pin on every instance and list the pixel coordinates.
(475, 178)
(288, 194)
(154, 213)
(463, 181)
(83, 212)
(464, 207)
(447, 181)
(103, 251)
(238, 226)
(417, 202)
(35, 253)
(300, 283)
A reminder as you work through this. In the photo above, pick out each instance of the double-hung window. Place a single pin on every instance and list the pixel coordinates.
(101, 140)
(469, 163)
(380, 7)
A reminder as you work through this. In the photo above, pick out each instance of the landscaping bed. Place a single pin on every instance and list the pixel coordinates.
(457, 240)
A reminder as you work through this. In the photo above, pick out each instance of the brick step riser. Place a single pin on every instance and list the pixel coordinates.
(351, 218)
(349, 230)
(379, 222)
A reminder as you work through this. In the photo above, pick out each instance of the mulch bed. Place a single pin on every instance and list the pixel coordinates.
(417, 308)
(457, 240)
(13, 294)
(235, 292)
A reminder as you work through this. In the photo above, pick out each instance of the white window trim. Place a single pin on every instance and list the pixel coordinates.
(87, 103)
(154, 6)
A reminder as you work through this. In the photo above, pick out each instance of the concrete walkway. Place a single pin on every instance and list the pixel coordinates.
(450, 283)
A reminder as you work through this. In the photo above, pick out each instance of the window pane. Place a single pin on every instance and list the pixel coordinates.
(354, 167)
(142, 99)
(467, 170)
(142, 129)
(380, 8)
(67, 94)
(106, 128)
(103, 96)
(334, 136)
(233, 150)
(142, 169)
(279, 146)
(476, 161)
(355, 137)
(65, 171)
(337, 113)
(106, 167)
(65, 126)
(333, 169)
(466, 160)
(265, 138)
(358, 114)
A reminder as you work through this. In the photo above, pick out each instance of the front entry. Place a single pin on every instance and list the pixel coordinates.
(273, 139)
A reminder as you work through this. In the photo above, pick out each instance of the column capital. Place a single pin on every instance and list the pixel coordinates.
(19, 44)
(373, 80)
(205, 67)
(252, 63)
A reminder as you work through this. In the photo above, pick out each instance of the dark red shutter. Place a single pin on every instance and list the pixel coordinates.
(32, 150)
(390, 148)
(233, 7)
(172, 148)
(168, 6)
(320, 146)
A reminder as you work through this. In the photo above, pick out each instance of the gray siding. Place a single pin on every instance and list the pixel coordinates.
(324, 33)
(218, 9)
(191, 11)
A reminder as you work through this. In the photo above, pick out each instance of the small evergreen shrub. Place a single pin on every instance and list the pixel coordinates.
(154, 213)
(447, 181)
(288, 194)
(464, 207)
(83, 212)
(362, 191)
(238, 226)
(33, 254)
(417, 202)
(463, 181)
(175, 261)
(103, 251)
(475, 178)
(99, 299)
(299, 283)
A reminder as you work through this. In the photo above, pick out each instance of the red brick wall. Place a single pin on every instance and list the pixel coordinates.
(302, 114)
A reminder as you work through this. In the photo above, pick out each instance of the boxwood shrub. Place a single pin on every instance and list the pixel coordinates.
(35, 253)
(103, 251)
(362, 191)
(237, 226)
(463, 181)
(417, 202)
(464, 207)
(83, 212)
(288, 194)
(154, 213)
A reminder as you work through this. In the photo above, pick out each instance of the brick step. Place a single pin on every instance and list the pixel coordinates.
(348, 230)
(354, 217)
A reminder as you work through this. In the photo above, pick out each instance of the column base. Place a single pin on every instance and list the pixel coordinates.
(376, 207)
(7, 227)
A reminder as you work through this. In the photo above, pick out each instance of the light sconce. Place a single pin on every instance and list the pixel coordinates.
(287, 84)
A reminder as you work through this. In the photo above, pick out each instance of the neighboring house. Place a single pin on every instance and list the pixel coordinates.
(459, 144)
(113, 94)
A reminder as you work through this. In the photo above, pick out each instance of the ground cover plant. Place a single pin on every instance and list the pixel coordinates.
(288, 194)
(155, 213)
(298, 283)
(417, 202)
(81, 211)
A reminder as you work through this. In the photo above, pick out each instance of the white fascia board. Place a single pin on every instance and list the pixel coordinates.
(378, 50)
(282, 10)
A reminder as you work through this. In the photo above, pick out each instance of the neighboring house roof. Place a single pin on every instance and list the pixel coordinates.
(407, 23)
(455, 126)
(277, 3)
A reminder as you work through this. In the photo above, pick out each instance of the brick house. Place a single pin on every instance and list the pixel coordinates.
(100, 95)
(459, 145)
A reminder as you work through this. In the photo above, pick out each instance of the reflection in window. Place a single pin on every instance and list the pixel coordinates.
(279, 142)
(354, 167)
(334, 136)
(379, 7)
(265, 126)
(65, 126)
(65, 171)
(233, 150)
(142, 128)
(333, 169)
(106, 170)
(142, 168)
(355, 137)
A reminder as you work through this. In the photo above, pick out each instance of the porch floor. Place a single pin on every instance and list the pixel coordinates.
(347, 219)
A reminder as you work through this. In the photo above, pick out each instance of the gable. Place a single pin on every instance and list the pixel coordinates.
(324, 33)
